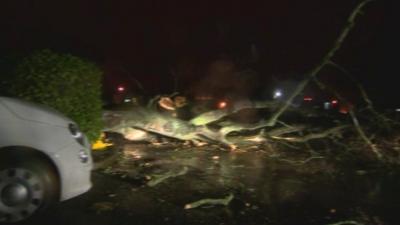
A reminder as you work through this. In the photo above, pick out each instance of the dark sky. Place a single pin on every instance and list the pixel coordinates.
(149, 39)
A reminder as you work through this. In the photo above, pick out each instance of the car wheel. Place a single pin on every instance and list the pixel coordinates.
(26, 187)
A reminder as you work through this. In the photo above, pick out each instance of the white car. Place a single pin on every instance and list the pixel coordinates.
(44, 158)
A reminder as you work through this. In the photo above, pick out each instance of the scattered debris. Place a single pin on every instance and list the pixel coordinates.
(209, 201)
(347, 222)
(157, 179)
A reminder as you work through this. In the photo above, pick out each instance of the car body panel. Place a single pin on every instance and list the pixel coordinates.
(32, 126)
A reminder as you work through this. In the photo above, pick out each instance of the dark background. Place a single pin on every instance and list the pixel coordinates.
(202, 41)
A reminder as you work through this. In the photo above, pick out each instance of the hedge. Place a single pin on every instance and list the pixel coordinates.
(67, 83)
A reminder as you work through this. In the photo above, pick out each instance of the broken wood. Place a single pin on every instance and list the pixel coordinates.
(362, 134)
(347, 222)
(309, 137)
(208, 201)
(157, 179)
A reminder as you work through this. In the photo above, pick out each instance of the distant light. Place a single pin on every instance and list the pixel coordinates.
(308, 99)
(397, 110)
(278, 94)
(222, 104)
(327, 105)
(120, 88)
(334, 102)
(127, 100)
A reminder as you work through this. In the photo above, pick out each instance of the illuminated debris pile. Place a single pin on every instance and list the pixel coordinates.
(212, 127)
(302, 128)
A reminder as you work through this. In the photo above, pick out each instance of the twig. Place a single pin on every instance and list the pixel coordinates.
(160, 178)
(284, 130)
(302, 162)
(209, 201)
(347, 222)
(362, 134)
(313, 136)
(355, 121)
(368, 101)
(326, 59)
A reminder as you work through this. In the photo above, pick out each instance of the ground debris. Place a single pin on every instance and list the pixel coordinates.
(157, 179)
(347, 222)
(209, 201)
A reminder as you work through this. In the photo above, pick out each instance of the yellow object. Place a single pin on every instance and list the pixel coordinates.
(100, 143)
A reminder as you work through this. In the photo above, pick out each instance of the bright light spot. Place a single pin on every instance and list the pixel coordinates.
(215, 157)
(120, 88)
(327, 105)
(335, 102)
(134, 134)
(278, 94)
(222, 104)
(256, 139)
(397, 110)
(127, 100)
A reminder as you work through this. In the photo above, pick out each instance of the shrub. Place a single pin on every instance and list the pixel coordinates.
(65, 82)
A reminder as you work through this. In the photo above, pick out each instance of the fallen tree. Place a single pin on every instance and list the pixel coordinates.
(216, 127)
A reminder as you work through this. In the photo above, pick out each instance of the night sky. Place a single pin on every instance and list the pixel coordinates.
(204, 43)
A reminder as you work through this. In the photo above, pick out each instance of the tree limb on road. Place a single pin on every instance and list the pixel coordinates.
(309, 137)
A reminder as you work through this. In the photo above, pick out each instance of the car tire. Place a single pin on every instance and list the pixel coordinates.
(28, 185)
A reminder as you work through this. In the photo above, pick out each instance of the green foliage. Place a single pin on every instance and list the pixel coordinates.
(65, 82)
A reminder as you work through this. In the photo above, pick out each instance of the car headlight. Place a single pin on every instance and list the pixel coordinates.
(77, 134)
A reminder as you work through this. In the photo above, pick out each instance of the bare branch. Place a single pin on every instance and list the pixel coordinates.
(355, 121)
(347, 222)
(313, 136)
(208, 201)
(157, 179)
(302, 162)
(327, 58)
(368, 101)
(362, 134)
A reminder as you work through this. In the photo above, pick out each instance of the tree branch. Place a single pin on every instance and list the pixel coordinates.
(309, 137)
(326, 59)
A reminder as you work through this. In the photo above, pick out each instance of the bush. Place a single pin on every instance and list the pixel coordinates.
(65, 82)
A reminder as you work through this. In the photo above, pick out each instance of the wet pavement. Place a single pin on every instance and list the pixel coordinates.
(163, 184)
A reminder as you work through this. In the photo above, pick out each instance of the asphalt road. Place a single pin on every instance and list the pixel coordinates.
(164, 184)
